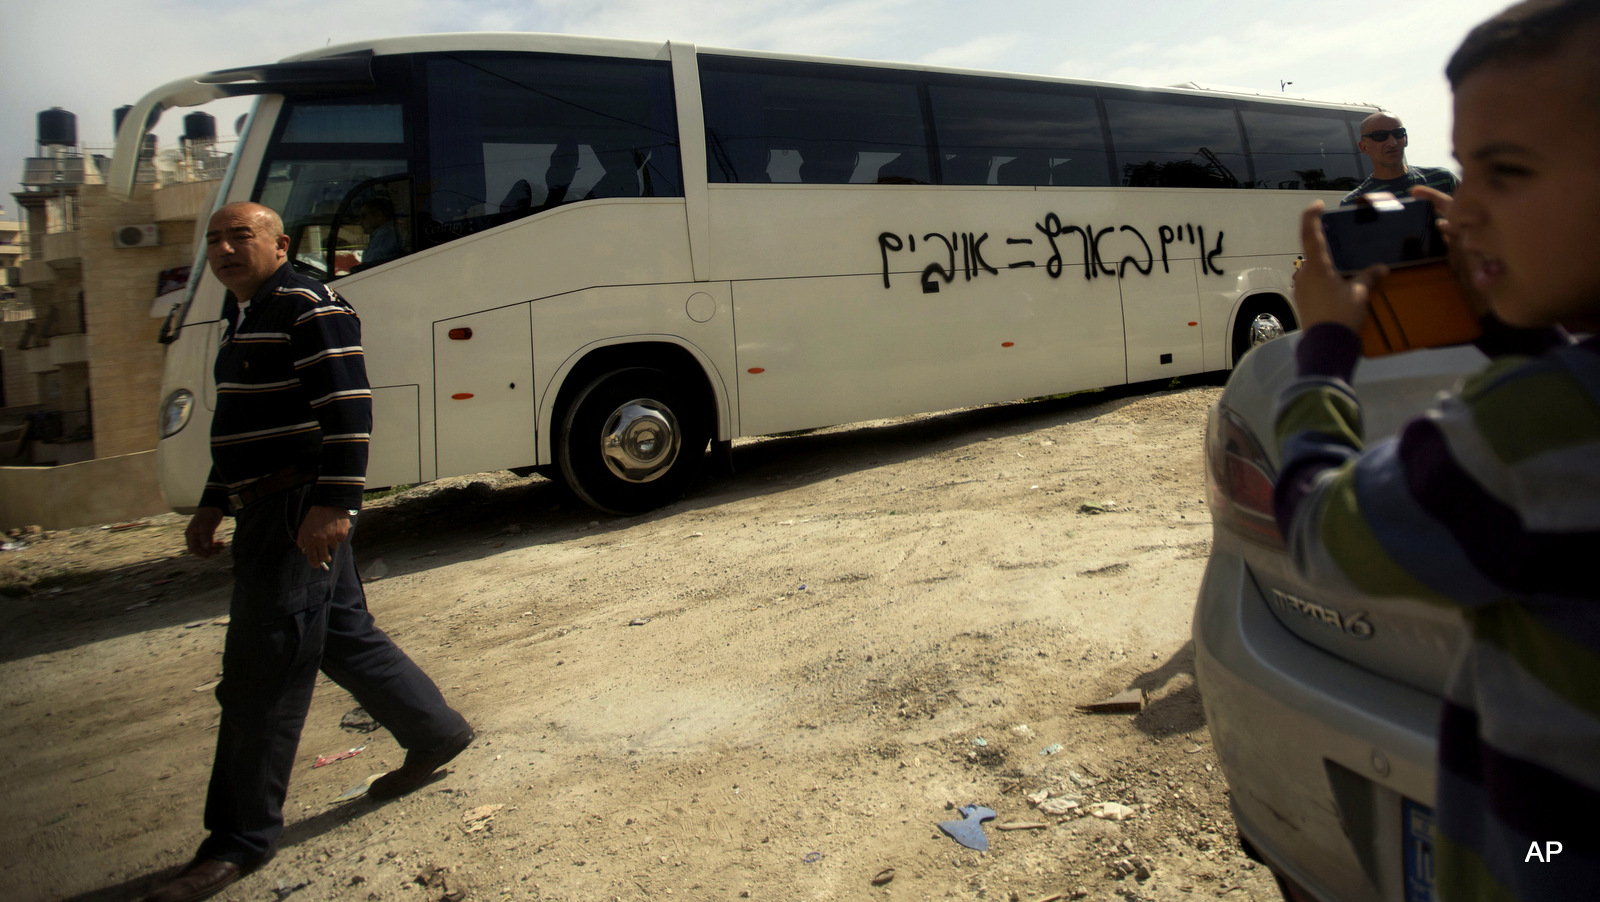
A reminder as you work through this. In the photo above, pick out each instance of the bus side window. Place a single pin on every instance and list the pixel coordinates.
(1018, 133)
(513, 134)
(1306, 150)
(1177, 142)
(814, 123)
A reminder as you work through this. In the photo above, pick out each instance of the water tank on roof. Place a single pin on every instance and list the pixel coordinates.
(199, 127)
(57, 127)
(117, 115)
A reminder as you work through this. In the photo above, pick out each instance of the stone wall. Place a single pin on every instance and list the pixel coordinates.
(107, 490)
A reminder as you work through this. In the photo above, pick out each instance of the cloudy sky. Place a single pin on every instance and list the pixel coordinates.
(92, 56)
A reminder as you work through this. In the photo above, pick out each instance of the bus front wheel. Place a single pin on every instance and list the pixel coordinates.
(632, 440)
(1259, 323)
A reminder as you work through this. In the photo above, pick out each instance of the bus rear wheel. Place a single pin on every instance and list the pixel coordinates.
(632, 440)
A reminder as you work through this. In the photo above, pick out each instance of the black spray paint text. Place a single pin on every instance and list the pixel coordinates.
(963, 252)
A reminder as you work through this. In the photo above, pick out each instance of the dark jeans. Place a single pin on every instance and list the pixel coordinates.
(287, 621)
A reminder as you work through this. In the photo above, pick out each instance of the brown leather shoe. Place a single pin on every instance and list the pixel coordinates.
(419, 766)
(200, 879)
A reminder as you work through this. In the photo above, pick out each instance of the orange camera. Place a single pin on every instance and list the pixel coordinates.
(1420, 303)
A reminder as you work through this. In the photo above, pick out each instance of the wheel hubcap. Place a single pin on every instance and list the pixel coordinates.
(640, 440)
(1264, 328)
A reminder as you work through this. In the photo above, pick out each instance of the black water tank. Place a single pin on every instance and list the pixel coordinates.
(57, 126)
(199, 127)
(117, 115)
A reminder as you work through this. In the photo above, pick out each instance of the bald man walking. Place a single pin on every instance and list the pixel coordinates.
(1384, 141)
(289, 457)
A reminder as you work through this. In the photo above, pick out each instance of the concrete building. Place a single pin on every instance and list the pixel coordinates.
(79, 356)
(13, 250)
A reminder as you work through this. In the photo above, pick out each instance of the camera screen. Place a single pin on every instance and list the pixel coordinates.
(1360, 236)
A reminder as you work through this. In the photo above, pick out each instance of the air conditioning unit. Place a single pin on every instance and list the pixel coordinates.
(136, 236)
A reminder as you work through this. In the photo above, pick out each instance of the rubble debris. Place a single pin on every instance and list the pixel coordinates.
(375, 570)
(357, 720)
(1058, 806)
(477, 820)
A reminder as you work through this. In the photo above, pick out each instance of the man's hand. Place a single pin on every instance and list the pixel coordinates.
(1321, 294)
(201, 533)
(322, 530)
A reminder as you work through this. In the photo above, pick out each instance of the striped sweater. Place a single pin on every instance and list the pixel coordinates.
(1489, 503)
(291, 391)
(1437, 178)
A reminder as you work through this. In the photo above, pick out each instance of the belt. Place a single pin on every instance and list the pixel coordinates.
(271, 484)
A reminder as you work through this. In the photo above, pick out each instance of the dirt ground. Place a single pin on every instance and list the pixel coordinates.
(776, 688)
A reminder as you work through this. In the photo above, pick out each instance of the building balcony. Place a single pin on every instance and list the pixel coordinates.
(36, 273)
(37, 360)
(69, 349)
(61, 246)
(52, 172)
(183, 201)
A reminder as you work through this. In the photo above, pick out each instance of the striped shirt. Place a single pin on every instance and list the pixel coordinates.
(291, 391)
(1437, 178)
(1489, 503)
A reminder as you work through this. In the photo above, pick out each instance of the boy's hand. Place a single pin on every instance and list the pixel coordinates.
(1321, 294)
(1442, 204)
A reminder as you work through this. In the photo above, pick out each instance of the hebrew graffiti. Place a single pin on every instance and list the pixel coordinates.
(1106, 251)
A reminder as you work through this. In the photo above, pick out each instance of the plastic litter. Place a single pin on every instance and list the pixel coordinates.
(360, 789)
(1051, 749)
(969, 832)
(329, 759)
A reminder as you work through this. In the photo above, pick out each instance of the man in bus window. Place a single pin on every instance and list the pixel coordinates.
(1383, 140)
(383, 239)
(289, 459)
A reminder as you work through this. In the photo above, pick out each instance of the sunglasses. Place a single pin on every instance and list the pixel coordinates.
(1382, 134)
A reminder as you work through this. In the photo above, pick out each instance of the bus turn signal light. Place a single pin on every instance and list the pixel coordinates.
(461, 334)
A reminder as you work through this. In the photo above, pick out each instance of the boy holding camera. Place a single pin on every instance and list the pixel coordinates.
(1489, 503)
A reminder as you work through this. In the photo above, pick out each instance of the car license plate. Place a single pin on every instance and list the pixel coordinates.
(1417, 837)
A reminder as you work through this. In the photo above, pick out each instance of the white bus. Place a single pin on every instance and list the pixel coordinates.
(602, 255)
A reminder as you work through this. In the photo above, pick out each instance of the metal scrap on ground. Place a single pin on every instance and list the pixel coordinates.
(1126, 701)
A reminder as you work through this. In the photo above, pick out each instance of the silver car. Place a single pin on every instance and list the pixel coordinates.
(1323, 706)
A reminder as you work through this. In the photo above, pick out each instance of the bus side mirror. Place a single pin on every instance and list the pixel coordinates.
(168, 335)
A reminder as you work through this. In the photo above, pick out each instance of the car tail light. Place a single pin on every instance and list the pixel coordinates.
(1240, 476)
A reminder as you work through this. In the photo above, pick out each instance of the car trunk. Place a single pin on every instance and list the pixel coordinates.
(1407, 640)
